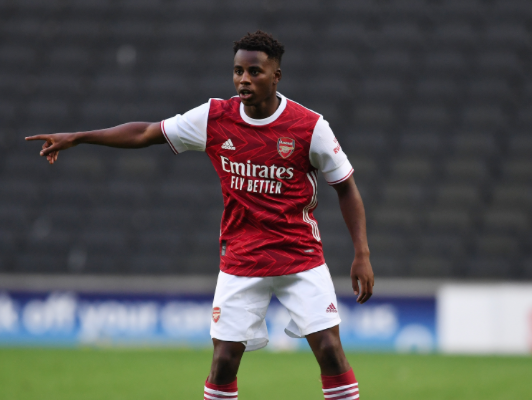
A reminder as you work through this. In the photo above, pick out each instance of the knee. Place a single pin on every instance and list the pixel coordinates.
(330, 351)
(225, 360)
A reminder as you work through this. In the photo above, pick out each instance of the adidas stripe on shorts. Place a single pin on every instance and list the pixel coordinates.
(240, 305)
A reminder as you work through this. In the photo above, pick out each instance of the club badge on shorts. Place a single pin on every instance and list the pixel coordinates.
(216, 312)
(286, 146)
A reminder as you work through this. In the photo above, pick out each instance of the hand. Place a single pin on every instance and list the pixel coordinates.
(361, 271)
(53, 143)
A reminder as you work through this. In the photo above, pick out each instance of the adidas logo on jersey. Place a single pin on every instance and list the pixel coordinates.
(228, 145)
(331, 308)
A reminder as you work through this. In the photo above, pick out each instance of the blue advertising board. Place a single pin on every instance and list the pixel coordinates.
(71, 319)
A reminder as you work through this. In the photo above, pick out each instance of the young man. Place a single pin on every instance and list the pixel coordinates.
(267, 151)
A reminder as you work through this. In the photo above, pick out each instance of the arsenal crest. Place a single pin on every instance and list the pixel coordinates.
(216, 312)
(285, 147)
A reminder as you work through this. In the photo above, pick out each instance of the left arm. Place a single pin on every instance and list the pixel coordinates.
(355, 218)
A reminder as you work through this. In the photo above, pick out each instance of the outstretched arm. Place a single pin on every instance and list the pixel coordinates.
(355, 218)
(131, 135)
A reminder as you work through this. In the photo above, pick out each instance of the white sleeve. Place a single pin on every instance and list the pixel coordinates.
(187, 131)
(327, 156)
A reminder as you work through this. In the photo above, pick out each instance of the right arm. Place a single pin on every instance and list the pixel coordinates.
(132, 135)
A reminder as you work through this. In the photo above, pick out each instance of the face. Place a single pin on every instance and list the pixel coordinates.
(255, 77)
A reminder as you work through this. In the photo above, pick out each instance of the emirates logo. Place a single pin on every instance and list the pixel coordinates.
(216, 313)
(331, 308)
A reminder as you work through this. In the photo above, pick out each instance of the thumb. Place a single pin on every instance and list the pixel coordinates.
(50, 149)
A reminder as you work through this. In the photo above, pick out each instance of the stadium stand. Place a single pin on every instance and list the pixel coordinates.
(430, 99)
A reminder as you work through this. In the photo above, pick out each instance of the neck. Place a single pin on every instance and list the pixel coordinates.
(264, 109)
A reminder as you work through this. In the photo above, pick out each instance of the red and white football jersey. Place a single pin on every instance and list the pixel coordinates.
(268, 171)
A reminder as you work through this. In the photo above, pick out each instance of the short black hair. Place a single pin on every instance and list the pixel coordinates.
(260, 41)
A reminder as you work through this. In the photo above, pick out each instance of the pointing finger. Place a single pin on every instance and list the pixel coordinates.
(37, 137)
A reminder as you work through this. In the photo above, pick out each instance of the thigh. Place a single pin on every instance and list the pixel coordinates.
(309, 298)
(239, 307)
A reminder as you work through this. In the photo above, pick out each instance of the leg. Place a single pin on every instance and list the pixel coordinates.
(328, 351)
(225, 361)
(337, 377)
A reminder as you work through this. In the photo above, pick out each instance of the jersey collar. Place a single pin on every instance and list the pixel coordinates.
(268, 120)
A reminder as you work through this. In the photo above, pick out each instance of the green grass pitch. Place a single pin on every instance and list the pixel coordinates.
(160, 374)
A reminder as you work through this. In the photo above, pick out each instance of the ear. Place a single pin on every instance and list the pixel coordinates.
(277, 76)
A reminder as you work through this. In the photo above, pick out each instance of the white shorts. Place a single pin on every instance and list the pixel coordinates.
(240, 305)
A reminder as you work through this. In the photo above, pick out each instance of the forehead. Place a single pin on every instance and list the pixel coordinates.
(251, 57)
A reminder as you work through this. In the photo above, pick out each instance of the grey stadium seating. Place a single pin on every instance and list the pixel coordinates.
(431, 100)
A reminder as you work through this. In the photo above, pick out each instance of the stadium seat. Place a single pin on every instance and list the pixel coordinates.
(486, 116)
(490, 89)
(445, 61)
(393, 62)
(140, 166)
(47, 109)
(152, 262)
(349, 33)
(497, 62)
(428, 115)
(458, 196)
(18, 166)
(421, 143)
(395, 218)
(497, 246)
(388, 245)
(403, 34)
(466, 169)
(403, 194)
(507, 34)
(379, 115)
(512, 196)
(477, 144)
(65, 219)
(15, 192)
(65, 86)
(520, 144)
(74, 192)
(16, 58)
(73, 166)
(448, 245)
(456, 34)
(86, 31)
(7, 240)
(384, 266)
(519, 169)
(431, 266)
(8, 109)
(411, 169)
(504, 220)
(67, 58)
(446, 220)
(433, 88)
(527, 269)
(364, 166)
(382, 88)
(40, 263)
(489, 267)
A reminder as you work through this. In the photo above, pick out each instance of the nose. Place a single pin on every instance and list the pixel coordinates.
(244, 78)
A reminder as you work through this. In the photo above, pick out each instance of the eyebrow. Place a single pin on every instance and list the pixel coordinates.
(250, 67)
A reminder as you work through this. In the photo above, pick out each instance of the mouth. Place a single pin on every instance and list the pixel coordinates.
(245, 94)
